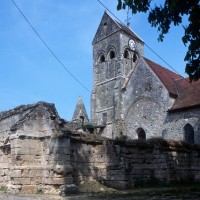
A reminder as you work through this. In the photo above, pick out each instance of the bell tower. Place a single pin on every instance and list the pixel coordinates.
(116, 49)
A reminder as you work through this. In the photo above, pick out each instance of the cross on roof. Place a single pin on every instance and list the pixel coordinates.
(128, 18)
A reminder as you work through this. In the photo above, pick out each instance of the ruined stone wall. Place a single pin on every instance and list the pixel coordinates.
(126, 165)
(34, 155)
(5, 163)
(39, 164)
(7, 121)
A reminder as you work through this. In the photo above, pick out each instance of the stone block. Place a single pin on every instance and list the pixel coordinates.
(21, 181)
(16, 173)
(36, 180)
(57, 181)
(35, 173)
(63, 169)
(13, 189)
(28, 189)
(68, 189)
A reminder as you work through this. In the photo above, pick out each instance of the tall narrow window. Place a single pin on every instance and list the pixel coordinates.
(102, 58)
(126, 54)
(112, 54)
(188, 133)
(104, 118)
(135, 56)
(141, 134)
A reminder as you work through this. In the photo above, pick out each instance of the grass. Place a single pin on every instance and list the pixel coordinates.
(177, 190)
(2, 189)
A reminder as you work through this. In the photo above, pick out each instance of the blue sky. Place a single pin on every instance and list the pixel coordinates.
(28, 71)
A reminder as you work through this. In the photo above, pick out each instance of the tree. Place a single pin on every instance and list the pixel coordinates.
(170, 12)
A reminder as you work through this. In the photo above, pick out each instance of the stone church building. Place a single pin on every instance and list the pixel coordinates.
(136, 98)
(132, 98)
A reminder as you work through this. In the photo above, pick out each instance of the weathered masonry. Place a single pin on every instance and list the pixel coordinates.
(38, 153)
(137, 109)
(32, 155)
(136, 98)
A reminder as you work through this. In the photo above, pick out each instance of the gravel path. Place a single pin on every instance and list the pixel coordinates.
(164, 193)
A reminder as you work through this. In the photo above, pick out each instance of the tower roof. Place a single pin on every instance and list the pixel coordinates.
(109, 26)
(80, 111)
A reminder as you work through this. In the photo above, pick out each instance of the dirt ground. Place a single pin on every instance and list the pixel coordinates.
(137, 194)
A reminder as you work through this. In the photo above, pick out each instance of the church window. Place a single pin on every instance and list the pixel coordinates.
(135, 57)
(104, 118)
(82, 119)
(126, 54)
(188, 133)
(102, 58)
(112, 54)
(105, 24)
(141, 134)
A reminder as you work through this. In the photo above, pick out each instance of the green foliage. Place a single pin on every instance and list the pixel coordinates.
(89, 127)
(171, 13)
(3, 189)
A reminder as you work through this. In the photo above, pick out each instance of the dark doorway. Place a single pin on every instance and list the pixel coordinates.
(141, 134)
(188, 133)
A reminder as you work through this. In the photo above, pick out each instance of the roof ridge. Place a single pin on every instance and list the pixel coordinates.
(163, 67)
(21, 108)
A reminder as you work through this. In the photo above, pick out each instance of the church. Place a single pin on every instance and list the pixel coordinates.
(136, 98)
(133, 98)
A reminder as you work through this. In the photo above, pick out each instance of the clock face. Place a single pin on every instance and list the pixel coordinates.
(131, 44)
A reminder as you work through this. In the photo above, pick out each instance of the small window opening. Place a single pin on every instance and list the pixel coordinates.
(141, 134)
(105, 24)
(112, 54)
(104, 118)
(82, 120)
(126, 54)
(102, 59)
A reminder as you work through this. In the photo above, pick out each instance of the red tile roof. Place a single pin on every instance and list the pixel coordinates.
(188, 94)
(166, 76)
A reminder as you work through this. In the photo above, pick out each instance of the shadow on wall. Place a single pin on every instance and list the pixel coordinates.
(83, 152)
(127, 164)
(59, 158)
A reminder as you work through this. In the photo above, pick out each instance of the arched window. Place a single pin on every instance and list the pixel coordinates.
(102, 59)
(126, 54)
(141, 134)
(188, 133)
(135, 56)
(112, 54)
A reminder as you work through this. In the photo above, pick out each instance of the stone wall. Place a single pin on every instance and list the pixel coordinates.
(146, 101)
(128, 164)
(5, 163)
(175, 122)
(34, 149)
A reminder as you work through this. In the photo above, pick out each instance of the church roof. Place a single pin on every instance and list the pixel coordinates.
(166, 76)
(187, 94)
(108, 26)
(128, 30)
